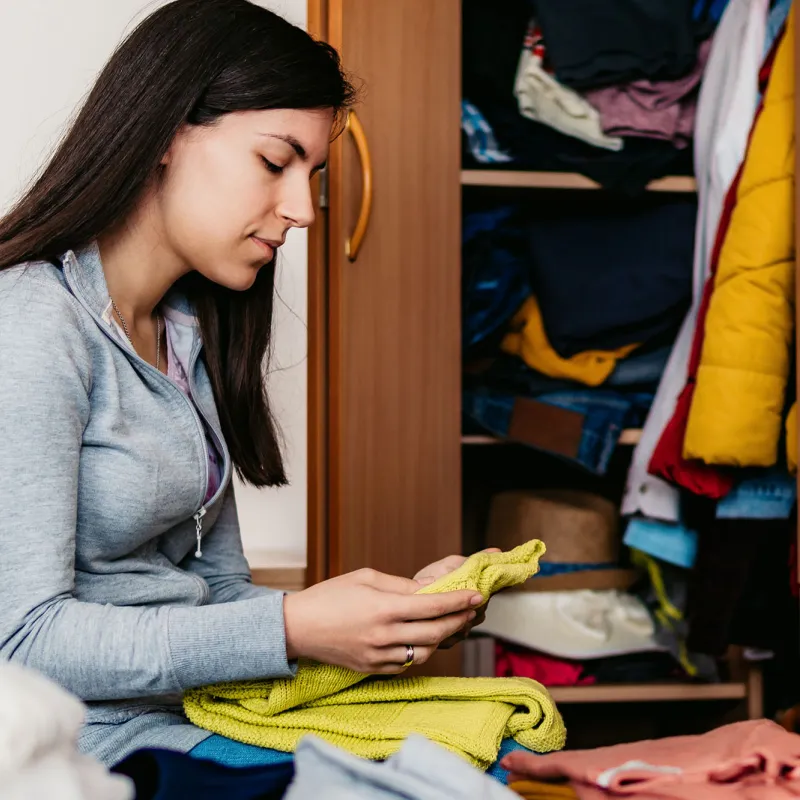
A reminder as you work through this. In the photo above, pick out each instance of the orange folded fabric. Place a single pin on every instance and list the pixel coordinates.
(536, 790)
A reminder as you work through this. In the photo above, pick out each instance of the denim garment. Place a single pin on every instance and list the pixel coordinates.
(708, 10)
(775, 21)
(480, 137)
(768, 495)
(606, 414)
(643, 369)
(494, 281)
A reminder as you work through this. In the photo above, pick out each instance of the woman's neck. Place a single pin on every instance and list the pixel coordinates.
(139, 267)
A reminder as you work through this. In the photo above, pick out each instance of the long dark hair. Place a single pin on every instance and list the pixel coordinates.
(190, 61)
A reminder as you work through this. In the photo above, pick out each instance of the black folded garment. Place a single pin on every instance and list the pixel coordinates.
(634, 668)
(612, 275)
(168, 775)
(591, 43)
(491, 39)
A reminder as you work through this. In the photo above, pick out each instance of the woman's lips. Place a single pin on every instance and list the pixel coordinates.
(268, 248)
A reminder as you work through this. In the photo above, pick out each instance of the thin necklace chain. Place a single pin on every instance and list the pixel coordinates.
(128, 335)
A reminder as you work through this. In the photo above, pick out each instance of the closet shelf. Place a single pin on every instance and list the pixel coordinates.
(628, 438)
(562, 180)
(649, 692)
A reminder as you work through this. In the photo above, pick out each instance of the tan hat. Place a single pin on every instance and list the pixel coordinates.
(576, 527)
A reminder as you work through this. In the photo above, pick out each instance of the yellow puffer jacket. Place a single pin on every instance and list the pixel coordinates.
(737, 411)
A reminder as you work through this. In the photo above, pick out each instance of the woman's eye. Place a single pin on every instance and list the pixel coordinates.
(273, 168)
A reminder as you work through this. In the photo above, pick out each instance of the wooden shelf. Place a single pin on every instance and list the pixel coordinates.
(287, 579)
(628, 438)
(562, 180)
(649, 692)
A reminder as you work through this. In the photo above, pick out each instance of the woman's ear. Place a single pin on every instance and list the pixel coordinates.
(177, 141)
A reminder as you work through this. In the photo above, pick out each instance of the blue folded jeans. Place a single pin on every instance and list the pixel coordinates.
(590, 419)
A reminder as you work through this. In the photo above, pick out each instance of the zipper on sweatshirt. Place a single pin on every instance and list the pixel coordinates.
(198, 519)
(194, 410)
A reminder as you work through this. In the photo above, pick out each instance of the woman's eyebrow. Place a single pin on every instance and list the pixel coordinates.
(291, 141)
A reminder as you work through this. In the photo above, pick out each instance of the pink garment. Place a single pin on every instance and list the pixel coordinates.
(756, 760)
(652, 109)
(549, 671)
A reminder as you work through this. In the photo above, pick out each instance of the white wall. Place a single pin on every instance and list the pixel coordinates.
(50, 53)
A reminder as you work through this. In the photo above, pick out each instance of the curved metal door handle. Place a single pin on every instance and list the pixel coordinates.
(356, 130)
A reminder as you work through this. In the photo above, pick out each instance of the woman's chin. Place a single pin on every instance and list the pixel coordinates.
(238, 280)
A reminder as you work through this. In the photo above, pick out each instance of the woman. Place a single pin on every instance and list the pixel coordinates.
(136, 292)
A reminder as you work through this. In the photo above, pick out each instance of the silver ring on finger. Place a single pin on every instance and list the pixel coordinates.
(409, 656)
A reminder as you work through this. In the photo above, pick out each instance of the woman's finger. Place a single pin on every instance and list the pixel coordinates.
(387, 583)
(431, 632)
(438, 570)
(434, 606)
(396, 658)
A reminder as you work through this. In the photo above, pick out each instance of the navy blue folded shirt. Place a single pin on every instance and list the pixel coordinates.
(612, 275)
(169, 775)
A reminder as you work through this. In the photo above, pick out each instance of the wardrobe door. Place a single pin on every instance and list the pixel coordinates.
(393, 288)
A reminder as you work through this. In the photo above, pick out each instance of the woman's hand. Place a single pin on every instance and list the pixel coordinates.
(431, 573)
(365, 619)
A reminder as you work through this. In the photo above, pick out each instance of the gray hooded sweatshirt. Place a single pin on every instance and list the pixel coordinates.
(103, 474)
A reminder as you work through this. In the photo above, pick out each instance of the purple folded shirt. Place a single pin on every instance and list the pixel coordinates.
(653, 109)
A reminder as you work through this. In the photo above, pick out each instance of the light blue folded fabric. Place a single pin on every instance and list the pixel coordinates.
(421, 770)
(230, 753)
(666, 541)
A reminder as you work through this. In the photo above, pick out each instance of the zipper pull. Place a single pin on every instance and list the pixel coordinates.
(198, 518)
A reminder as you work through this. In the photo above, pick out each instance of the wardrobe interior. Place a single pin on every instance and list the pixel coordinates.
(622, 302)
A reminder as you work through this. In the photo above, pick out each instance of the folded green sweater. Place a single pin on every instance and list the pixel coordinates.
(371, 716)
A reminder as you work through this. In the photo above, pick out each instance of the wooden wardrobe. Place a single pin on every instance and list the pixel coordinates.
(385, 446)
(384, 296)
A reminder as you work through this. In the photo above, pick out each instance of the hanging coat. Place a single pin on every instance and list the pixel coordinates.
(736, 416)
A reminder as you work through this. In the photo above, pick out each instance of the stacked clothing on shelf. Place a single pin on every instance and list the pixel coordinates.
(552, 671)
(695, 340)
(576, 622)
(652, 109)
(608, 90)
(574, 308)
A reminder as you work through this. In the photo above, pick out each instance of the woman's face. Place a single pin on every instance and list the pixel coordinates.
(231, 191)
